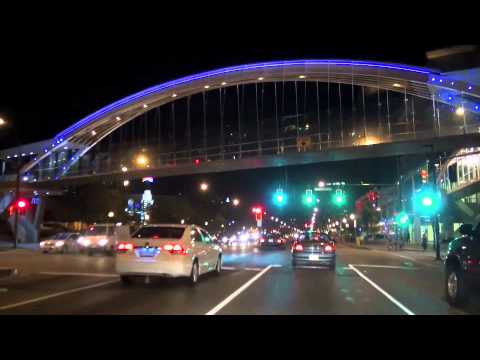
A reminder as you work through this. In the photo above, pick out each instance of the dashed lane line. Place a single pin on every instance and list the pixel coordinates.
(385, 266)
(383, 292)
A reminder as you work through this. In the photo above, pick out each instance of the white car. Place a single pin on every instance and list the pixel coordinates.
(62, 242)
(98, 238)
(168, 250)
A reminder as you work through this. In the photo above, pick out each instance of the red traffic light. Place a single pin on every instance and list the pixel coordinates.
(257, 210)
(21, 204)
(196, 162)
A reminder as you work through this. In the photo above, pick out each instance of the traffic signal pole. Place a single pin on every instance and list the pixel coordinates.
(17, 197)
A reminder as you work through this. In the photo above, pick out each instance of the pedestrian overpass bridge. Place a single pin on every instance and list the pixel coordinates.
(264, 114)
(257, 115)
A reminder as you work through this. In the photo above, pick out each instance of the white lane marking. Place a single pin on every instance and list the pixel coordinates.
(228, 268)
(237, 292)
(395, 254)
(3, 289)
(46, 297)
(383, 292)
(386, 266)
(78, 274)
(253, 269)
(277, 266)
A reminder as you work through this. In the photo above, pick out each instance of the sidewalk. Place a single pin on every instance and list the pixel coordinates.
(413, 252)
(7, 245)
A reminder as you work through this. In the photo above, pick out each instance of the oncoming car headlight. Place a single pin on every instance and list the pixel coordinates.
(42, 243)
(59, 243)
(103, 242)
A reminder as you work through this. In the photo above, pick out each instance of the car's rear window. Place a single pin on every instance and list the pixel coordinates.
(61, 236)
(314, 237)
(159, 232)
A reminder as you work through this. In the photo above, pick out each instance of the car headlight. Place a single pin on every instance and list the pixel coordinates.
(42, 243)
(103, 242)
(59, 243)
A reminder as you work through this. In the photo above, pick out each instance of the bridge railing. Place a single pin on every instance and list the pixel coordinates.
(111, 163)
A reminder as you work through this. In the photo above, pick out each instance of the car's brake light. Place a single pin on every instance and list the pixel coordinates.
(279, 241)
(262, 240)
(124, 247)
(299, 247)
(328, 248)
(175, 249)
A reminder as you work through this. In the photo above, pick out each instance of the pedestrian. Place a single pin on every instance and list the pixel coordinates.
(424, 241)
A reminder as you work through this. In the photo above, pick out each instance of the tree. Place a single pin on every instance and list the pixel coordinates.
(369, 217)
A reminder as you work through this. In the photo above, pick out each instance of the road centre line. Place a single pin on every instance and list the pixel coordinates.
(237, 292)
(46, 297)
(383, 292)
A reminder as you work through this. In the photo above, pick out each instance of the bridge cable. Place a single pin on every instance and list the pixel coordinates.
(296, 110)
(364, 114)
(205, 124)
(354, 127)
(173, 133)
(277, 128)
(405, 100)
(341, 112)
(258, 120)
(379, 110)
(413, 117)
(222, 145)
(189, 128)
(239, 122)
(328, 105)
(159, 124)
(388, 117)
(318, 119)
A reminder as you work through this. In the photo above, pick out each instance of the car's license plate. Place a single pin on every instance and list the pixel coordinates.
(313, 257)
(270, 240)
(147, 252)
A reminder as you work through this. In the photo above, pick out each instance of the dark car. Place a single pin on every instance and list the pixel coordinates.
(314, 249)
(271, 240)
(462, 265)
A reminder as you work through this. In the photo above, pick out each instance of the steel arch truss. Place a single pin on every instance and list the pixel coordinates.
(419, 82)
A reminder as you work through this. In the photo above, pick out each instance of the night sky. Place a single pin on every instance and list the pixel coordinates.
(50, 85)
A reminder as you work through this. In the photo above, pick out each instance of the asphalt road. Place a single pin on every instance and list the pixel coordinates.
(263, 282)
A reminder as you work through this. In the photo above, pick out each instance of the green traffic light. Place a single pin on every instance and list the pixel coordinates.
(308, 198)
(402, 219)
(339, 198)
(427, 202)
(279, 198)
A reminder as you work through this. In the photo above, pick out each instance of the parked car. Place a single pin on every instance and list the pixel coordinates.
(462, 265)
(64, 242)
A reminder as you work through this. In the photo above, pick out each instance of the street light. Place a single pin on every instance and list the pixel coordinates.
(142, 160)
(236, 202)
(111, 214)
(126, 183)
(124, 169)
(352, 216)
(460, 111)
(204, 186)
(2, 122)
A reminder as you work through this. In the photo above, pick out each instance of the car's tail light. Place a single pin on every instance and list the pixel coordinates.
(329, 248)
(262, 240)
(279, 241)
(175, 249)
(124, 247)
(298, 247)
